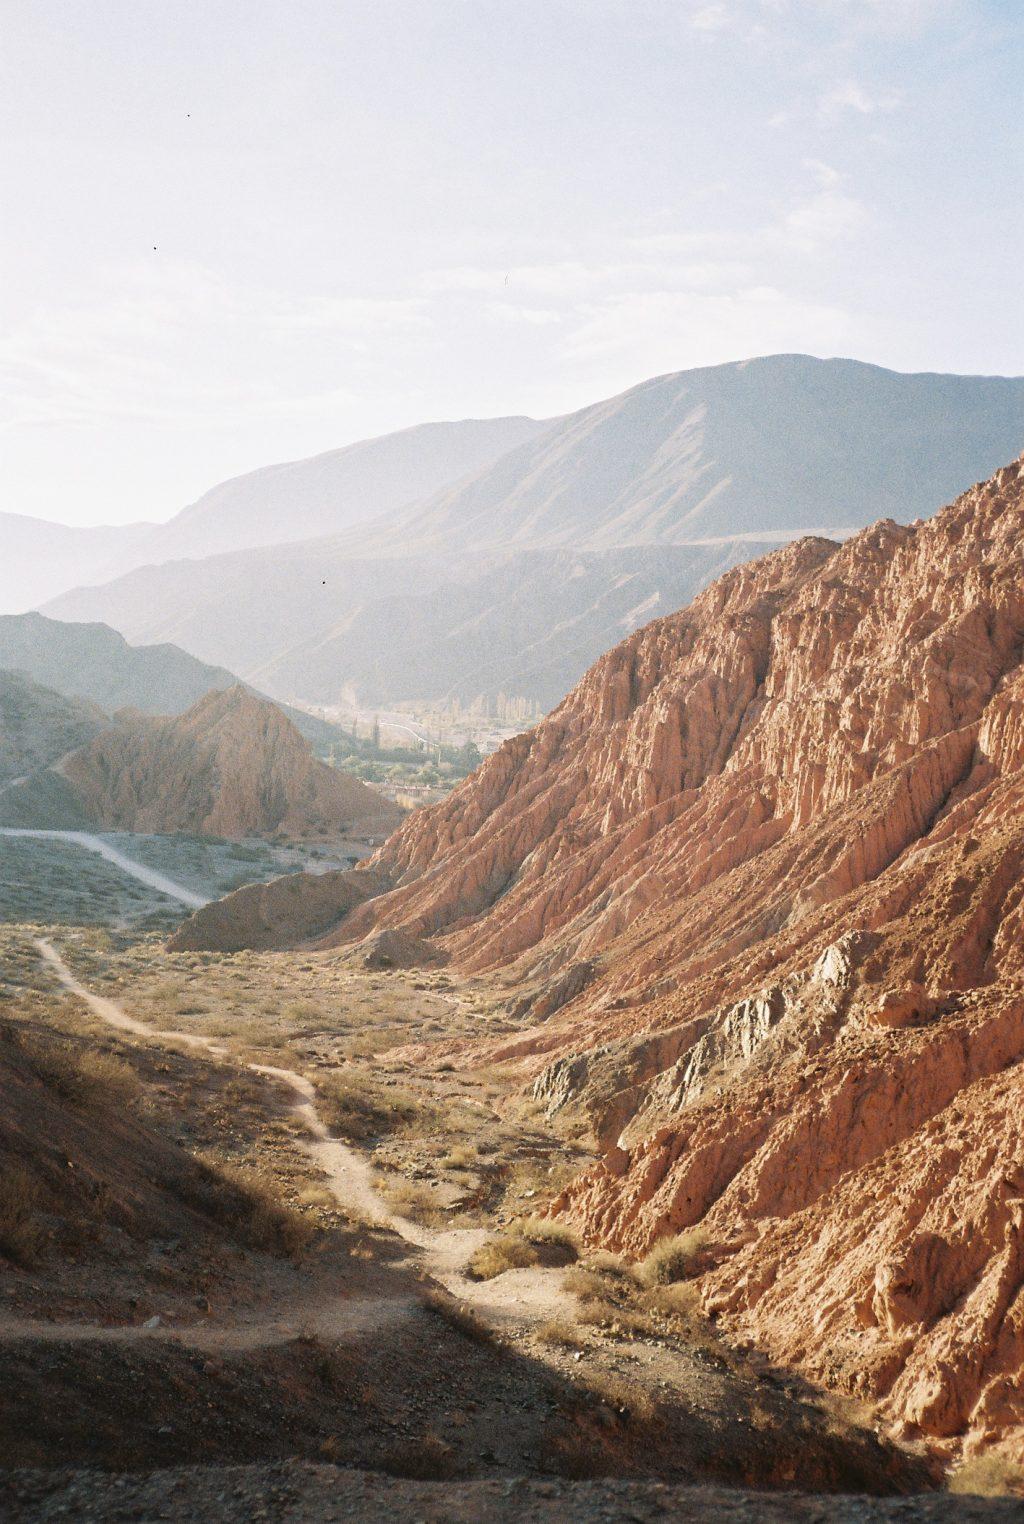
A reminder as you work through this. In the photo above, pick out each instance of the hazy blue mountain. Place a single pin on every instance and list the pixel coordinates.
(455, 595)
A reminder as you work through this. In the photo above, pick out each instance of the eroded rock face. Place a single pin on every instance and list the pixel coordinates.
(232, 765)
(785, 829)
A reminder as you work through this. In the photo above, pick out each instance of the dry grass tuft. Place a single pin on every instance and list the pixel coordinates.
(83, 1076)
(560, 1335)
(458, 1317)
(584, 1284)
(988, 1476)
(248, 1204)
(543, 1230)
(626, 1397)
(616, 1319)
(408, 1198)
(500, 1254)
(603, 1263)
(675, 1259)
(21, 1233)
(356, 1106)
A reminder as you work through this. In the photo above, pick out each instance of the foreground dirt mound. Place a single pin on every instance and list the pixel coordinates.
(232, 765)
(761, 874)
(302, 1493)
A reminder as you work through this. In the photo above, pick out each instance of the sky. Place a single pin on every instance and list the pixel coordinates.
(240, 231)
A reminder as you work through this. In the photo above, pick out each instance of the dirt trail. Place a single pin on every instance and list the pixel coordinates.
(326, 1319)
(148, 876)
(518, 1299)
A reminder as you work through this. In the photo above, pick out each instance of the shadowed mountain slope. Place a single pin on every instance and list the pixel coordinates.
(95, 663)
(37, 725)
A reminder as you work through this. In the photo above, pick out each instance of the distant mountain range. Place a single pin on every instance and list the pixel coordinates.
(294, 501)
(39, 559)
(516, 576)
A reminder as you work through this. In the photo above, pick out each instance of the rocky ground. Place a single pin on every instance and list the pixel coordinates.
(294, 1491)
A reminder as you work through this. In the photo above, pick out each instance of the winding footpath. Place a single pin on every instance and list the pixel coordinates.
(151, 877)
(516, 1300)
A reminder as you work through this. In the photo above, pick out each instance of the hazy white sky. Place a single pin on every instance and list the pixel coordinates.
(239, 231)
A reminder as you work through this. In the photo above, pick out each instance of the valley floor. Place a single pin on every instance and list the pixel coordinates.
(261, 1212)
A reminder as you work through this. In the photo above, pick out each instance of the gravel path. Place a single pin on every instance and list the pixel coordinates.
(148, 876)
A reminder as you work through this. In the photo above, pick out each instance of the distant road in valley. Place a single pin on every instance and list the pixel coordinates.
(148, 876)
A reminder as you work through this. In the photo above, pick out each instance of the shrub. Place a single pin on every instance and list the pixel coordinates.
(560, 1334)
(674, 1259)
(21, 1233)
(988, 1476)
(500, 1254)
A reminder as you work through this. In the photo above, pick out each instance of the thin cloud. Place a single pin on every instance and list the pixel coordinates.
(852, 96)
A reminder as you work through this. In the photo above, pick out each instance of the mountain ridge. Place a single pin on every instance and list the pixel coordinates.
(736, 456)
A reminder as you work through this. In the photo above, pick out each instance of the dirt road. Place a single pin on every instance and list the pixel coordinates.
(148, 876)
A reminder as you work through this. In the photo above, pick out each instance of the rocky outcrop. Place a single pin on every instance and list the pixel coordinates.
(784, 831)
(233, 765)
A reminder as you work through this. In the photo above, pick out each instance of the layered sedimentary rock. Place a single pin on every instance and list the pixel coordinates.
(233, 765)
(758, 883)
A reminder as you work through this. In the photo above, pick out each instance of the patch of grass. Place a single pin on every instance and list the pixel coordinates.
(603, 1263)
(248, 1204)
(993, 1475)
(461, 1158)
(620, 1321)
(458, 1316)
(83, 1076)
(356, 1106)
(560, 1334)
(585, 1285)
(21, 1233)
(544, 1230)
(410, 1199)
(675, 1259)
(497, 1255)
